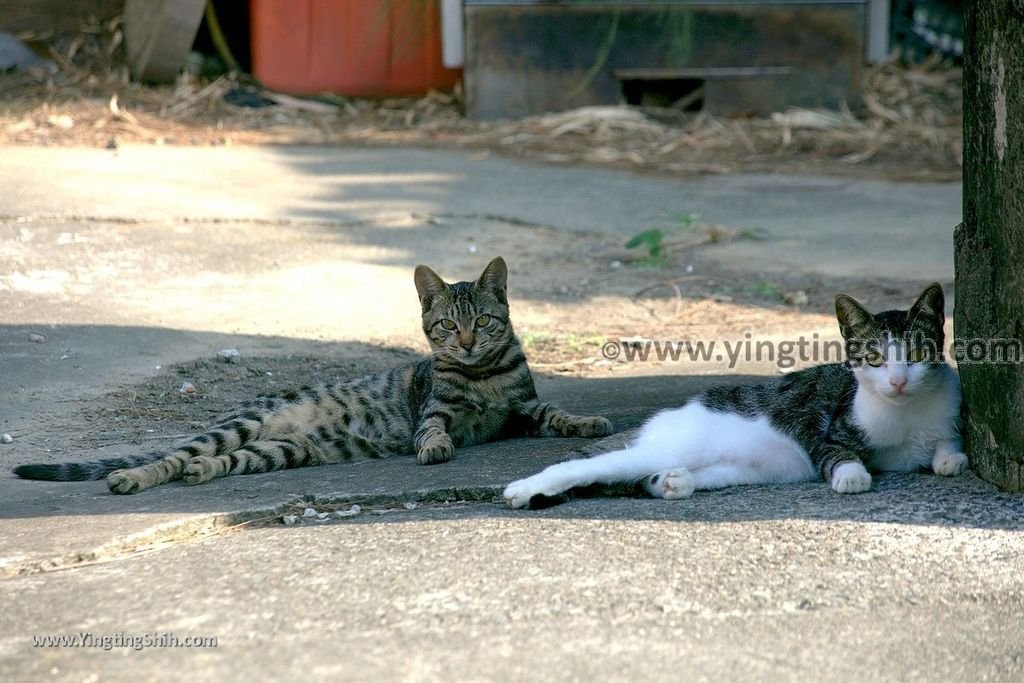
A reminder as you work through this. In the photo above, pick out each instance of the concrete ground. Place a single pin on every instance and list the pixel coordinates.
(151, 257)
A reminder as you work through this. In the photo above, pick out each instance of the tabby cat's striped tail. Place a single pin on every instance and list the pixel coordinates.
(84, 471)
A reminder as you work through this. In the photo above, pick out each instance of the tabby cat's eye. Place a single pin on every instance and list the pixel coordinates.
(483, 320)
(874, 359)
(916, 355)
(448, 324)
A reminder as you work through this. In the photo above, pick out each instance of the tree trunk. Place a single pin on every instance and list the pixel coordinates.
(990, 242)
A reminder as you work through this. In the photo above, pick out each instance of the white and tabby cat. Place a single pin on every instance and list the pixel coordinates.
(894, 405)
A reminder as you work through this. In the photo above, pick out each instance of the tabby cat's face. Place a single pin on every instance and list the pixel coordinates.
(466, 322)
(896, 355)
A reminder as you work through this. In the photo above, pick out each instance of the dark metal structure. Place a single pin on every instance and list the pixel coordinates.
(731, 57)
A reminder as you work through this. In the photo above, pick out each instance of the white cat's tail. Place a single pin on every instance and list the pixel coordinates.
(628, 465)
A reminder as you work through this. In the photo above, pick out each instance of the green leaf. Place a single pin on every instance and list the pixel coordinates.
(652, 238)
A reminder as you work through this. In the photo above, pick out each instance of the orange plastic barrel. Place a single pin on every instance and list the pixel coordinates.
(364, 48)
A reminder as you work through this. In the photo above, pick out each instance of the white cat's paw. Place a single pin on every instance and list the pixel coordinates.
(671, 484)
(850, 477)
(949, 464)
(519, 493)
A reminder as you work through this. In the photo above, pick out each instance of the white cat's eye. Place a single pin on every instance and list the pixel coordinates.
(916, 355)
(448, 324)
(874, 359)
(483, 320)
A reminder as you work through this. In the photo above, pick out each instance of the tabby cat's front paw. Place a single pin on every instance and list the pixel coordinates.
(851, 477)
(436, 450)
(595, 426)
(572, 425)
(121, 481)
(949, 464)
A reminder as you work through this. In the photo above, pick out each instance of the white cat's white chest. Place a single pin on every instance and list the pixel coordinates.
(904, 436)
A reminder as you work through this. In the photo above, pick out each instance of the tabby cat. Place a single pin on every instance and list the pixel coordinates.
(893, 405)
(475, 387)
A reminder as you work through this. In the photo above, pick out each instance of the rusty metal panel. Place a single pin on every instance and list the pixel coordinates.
(529, 57)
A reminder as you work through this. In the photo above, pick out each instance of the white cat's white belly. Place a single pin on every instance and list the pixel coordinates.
(722, 449)
(714, 449)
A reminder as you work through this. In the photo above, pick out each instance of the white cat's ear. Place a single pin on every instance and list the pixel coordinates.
(428, 285)
(931, 303)
(495, 276)
(854, 320)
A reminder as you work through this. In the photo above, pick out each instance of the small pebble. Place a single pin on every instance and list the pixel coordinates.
(615, 265)
(351, 512)
(36, 337)
(289, 519)
(323, 516)
(188, 388)
(229, 355)
(797, 298)
(309, 512)
(634, 341)
(471, 249)
(61, 121)
(6, 438)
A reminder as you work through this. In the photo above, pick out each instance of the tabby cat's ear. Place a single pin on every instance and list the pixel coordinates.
(428, 285)
(495, 276)
(930, 304)
(855, 322)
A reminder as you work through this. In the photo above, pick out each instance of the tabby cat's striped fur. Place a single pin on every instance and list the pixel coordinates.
(475, 387)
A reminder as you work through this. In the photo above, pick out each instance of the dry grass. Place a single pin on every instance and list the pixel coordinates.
(909, 125)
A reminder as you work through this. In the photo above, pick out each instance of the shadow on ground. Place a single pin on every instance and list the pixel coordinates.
(133, 411)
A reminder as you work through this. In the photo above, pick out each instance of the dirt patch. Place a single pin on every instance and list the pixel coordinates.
(155, 413)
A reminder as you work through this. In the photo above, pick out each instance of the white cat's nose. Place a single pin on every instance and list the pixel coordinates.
(898, 384)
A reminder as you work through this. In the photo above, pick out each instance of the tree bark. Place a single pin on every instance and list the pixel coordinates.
(990, 241)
